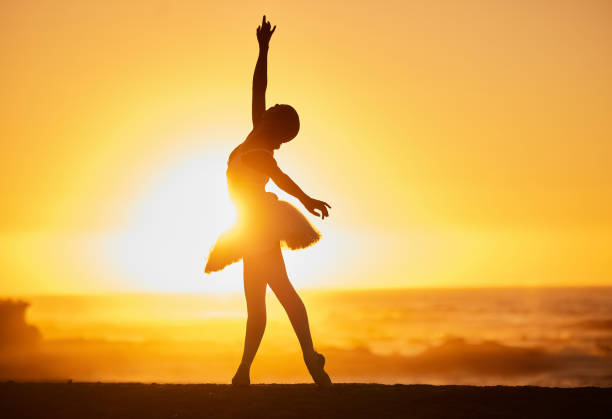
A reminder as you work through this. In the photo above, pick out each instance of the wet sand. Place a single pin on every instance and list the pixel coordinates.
(110, 400)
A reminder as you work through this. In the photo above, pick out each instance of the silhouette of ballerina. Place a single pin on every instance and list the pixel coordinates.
(265, 223)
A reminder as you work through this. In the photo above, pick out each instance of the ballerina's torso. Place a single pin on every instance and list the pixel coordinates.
(242, 180)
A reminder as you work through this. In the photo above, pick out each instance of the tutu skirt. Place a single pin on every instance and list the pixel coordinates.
(264, 222)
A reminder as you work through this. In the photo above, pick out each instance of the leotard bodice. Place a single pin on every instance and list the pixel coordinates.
(241, 178)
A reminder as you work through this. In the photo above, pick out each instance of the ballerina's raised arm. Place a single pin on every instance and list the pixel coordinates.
(260, 77)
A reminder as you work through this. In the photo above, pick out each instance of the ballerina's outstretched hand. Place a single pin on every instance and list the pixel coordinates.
(264, 33)
(314, 205)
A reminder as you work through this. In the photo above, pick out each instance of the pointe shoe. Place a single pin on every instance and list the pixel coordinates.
(241, 378)
(315, 366)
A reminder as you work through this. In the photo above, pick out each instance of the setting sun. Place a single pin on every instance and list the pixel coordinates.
(171, 227)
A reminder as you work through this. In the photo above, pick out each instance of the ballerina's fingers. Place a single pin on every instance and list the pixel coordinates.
(321, 206)
(324, 212)
(324, 206)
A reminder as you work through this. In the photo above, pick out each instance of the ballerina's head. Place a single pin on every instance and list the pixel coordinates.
(279, 125)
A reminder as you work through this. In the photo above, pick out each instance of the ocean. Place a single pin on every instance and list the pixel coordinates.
(527, 336)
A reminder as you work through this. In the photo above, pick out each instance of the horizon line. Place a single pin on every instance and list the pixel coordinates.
(310, 290)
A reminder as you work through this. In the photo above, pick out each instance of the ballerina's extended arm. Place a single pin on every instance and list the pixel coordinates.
(260, 76)
(264, 162)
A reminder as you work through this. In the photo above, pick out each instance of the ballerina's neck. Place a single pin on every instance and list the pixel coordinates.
(257, 141)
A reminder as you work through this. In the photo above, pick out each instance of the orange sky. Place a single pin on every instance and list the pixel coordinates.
(459, 143)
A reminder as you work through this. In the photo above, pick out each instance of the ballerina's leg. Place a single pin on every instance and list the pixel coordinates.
(255, 294)
(294, 306)
(290, 300)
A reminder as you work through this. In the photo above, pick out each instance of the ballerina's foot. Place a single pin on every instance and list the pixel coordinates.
(241, 378)
(315, 364)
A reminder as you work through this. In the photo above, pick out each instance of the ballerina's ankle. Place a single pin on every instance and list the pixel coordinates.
(310, 354)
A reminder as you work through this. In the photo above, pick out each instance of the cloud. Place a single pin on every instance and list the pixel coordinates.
(594, 324)
(460, 362)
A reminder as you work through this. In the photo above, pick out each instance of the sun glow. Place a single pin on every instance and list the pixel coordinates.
(175, 223)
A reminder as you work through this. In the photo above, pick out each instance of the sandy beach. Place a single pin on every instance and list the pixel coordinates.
(134, 400)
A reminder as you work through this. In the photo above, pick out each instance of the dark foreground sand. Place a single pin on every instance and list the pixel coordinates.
(95, 400)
